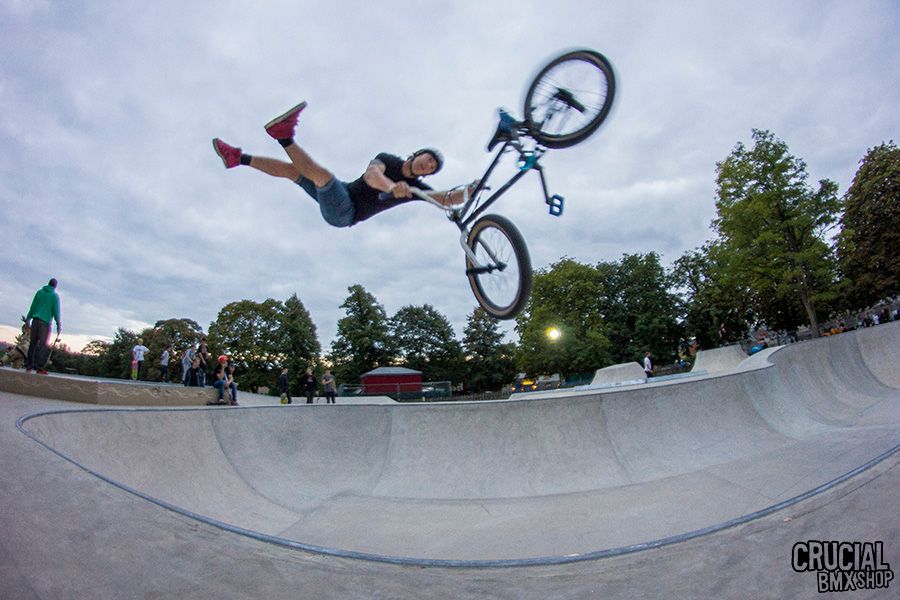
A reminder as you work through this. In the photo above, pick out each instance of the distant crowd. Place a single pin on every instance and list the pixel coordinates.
(884, 313)
(195, 366)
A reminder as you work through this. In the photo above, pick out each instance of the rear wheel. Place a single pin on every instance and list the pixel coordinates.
(501, 281)
(569, 98)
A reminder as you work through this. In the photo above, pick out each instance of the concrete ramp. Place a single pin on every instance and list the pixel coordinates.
(625, 373)
(524, 482)
(718, 360)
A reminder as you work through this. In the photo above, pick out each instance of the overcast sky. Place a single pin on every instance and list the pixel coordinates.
(108, 181)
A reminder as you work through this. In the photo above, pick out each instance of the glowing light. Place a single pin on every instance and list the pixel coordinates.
(553, 334)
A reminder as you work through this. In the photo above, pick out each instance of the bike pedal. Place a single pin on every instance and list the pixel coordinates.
(556, 203)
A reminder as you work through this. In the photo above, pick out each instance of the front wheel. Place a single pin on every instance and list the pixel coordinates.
(569, 98)
(501, 279)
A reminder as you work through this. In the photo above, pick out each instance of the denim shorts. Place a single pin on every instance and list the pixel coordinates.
(334, 200)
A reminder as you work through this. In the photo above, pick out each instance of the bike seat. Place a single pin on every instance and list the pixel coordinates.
(506, 130)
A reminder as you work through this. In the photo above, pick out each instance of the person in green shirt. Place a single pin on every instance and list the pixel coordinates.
(44, 309)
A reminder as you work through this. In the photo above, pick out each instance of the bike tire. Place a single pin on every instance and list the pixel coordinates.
(504, 291)
(596, 81)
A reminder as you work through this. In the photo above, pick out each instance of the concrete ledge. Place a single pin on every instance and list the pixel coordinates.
(717, 360)
(103, 391)
(625, 373)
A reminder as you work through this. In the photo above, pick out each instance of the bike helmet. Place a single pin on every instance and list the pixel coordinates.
(438, 157)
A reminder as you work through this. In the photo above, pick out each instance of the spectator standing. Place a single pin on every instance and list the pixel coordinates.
(310, 385)
(187, 361)
(137, 359)
(648, 365)
(44, 309)
(203, 354)
(284, 386)
(192, 374)
(329, 386)
(164, 364)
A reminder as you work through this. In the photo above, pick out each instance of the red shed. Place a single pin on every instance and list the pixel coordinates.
(392, 380)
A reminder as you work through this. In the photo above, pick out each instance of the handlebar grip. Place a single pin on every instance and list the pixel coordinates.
(416, 192)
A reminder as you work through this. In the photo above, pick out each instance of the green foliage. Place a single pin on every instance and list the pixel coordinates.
(610, 313)
(489, 362)
(772, 229)
(261, 337)
(63, 360)
(868, 243)
(640, 312)
(180, 333)
(96, 348)
(424, 341)
(300, 341)
(115, 359)
(714, 310)
(565, 297)
(363, 340)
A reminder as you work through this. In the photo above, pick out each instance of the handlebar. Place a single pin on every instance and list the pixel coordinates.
(423, 195)
(420, 194)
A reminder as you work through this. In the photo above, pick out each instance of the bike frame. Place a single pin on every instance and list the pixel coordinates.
(529, 159)
(464, 216)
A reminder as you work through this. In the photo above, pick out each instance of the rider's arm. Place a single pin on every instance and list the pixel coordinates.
(452, 197)
(375, 177)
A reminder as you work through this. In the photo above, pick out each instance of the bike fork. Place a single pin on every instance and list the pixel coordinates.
(476, 266)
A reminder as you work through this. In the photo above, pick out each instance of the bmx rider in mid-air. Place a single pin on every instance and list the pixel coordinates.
(344, 204)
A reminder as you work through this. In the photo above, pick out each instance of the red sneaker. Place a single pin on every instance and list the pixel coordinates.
(42, 372)
(230, 155)
(282, 127)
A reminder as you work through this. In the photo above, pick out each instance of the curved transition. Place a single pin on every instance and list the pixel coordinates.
(515, 482)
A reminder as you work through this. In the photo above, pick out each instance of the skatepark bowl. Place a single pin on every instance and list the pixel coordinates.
(563, 477)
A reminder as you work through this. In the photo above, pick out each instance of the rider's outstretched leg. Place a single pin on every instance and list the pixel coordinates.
(332, 195)
(232, 157)
(282, 128)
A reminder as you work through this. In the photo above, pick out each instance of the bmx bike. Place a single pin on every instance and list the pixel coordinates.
(565, 103)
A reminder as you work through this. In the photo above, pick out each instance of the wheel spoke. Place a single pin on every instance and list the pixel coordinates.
(578, 78)
(500, 281)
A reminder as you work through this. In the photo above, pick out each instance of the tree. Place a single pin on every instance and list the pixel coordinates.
(64, 360)
(114, 359)
(714, 313)
(250, 334)
(489, 362)
(564, 297)
(363, 340)
(299, 342)
(180, 334)
(771, 228)
(93, 351)
(424, 341)
(870, 236)
(640, 312)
